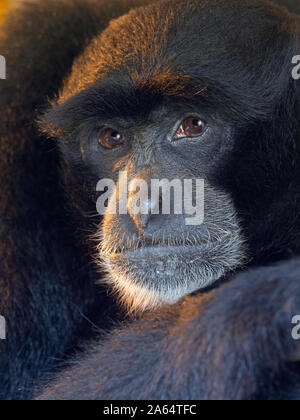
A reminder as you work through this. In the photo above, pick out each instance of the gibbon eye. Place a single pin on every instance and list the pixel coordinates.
(190, 127)
(110, 138)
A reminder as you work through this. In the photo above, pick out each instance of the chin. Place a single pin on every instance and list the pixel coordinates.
(151, 276)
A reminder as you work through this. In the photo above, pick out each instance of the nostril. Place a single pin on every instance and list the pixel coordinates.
(144, 220)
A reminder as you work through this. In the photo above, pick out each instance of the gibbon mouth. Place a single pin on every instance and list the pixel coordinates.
(164, 249)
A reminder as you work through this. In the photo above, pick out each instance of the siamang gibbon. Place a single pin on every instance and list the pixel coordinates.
(145, 305)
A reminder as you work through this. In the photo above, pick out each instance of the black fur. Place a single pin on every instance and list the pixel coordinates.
(231, 342)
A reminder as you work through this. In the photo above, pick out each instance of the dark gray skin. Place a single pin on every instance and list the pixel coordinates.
(148, 260)
(227, 63)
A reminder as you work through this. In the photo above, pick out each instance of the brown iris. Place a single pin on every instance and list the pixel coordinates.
(110, 138)
(190, 127)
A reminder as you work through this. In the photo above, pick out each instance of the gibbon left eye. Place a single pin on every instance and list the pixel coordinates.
(190, 127)
(110, 138)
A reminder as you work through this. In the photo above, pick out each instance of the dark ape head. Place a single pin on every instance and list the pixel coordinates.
(183, 90)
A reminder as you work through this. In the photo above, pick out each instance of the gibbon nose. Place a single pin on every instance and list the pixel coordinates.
(142, 200)
(142, 208)
(139, 210)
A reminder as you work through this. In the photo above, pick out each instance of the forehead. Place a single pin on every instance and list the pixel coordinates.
(192, 37)
(198, 51)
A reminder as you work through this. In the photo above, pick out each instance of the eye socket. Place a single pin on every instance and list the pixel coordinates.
(110, 138)
(190, 127)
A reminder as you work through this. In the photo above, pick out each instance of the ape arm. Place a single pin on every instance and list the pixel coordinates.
(230, 343)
